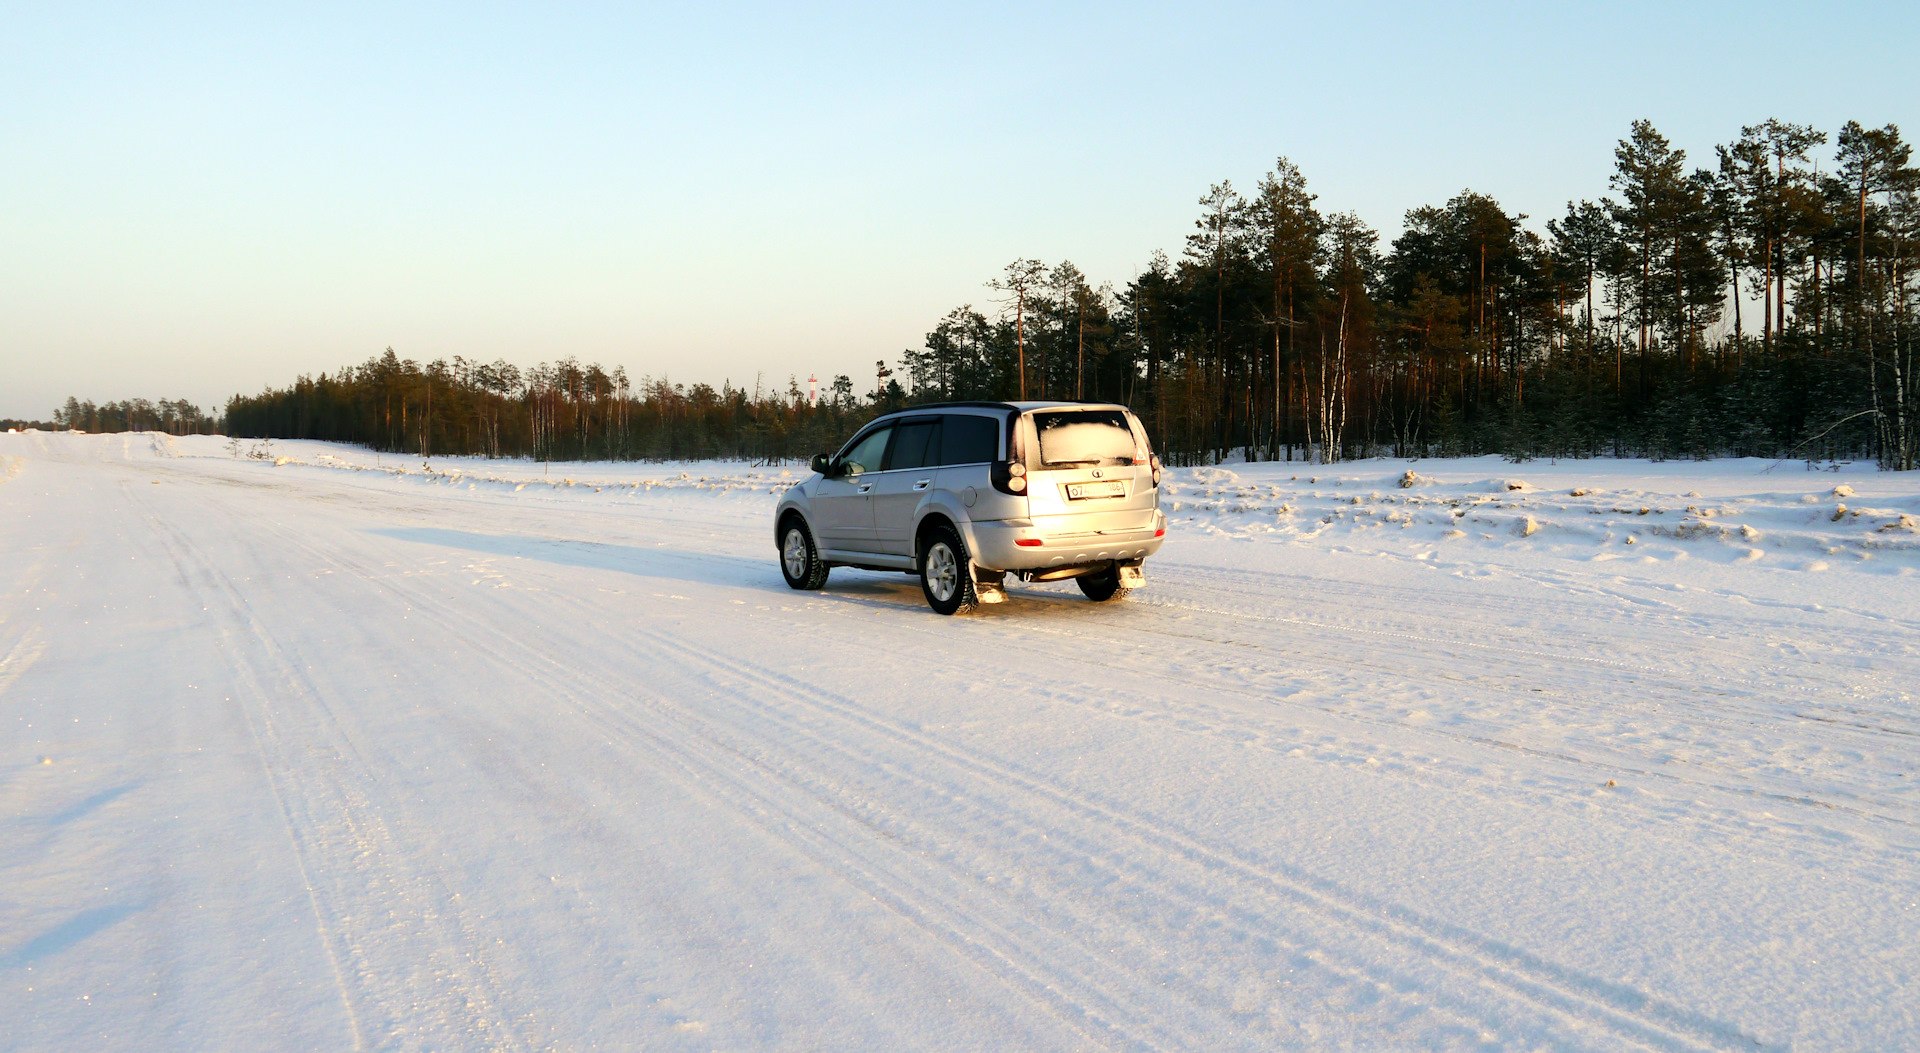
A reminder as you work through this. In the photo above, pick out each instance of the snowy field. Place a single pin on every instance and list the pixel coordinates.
(349, 752)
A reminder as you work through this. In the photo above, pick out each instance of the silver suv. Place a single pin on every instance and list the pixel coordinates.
(966, 493)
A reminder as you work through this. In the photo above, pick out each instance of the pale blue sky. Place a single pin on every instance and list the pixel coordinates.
(202, 199)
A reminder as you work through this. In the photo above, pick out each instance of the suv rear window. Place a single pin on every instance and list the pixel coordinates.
(1084, 437)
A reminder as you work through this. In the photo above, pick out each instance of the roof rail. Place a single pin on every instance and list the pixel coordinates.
(962, 404)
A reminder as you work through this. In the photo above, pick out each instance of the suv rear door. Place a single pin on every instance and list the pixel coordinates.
(1090, 467)
(969, 444)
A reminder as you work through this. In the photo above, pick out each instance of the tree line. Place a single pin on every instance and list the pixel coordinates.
(1755, 305)
(552, 411)
(173, 416)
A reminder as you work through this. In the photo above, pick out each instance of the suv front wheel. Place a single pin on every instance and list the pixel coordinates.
(946, 573)
(799, 559)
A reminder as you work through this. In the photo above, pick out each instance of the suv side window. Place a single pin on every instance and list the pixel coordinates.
(916, 445)
(864, 455)
(969, 439)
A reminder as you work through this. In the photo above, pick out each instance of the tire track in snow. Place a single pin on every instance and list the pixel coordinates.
(1678, 707)
(1486, 616)
(1575, 997)
(1050, 969)
(850, 853)
(336, 833)
(26, 651)
(1333, 677)
(1627, 1011)
(574, 645)
(1092, 998)
(1353, 598)
(1544, 984)
(1650, 694)
(1668, 699)
(28, 648)
(185, 564)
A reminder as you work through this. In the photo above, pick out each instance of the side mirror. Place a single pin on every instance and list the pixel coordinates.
(821, 463)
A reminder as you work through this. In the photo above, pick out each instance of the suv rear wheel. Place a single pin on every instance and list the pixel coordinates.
(946, 573)
(799, 558)
(1103, 585)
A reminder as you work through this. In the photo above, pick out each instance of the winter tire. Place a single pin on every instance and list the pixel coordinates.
(946, 573)
(1102, 586)
(799, 558)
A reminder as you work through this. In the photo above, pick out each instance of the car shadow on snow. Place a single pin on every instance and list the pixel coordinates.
(705, 568)
(879, 589)
(76, 929)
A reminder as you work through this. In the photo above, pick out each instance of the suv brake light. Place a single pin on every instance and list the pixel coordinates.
(1009, 477)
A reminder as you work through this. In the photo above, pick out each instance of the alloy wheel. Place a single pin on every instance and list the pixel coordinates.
(943, 572)
(794, 553)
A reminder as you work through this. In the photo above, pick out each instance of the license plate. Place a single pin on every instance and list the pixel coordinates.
(1115, 488)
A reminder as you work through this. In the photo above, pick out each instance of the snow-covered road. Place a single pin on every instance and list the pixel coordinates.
(307, 757)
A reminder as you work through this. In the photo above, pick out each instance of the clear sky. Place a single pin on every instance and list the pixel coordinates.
(202, 199)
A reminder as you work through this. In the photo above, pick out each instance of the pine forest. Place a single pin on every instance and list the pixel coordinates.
(1748, 303)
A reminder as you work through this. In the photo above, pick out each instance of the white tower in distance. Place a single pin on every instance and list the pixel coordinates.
(813, 390)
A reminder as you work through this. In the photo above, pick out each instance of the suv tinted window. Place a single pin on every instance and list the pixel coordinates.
(1085, 437)
(968, 439)
(914, 444)
(864, 454)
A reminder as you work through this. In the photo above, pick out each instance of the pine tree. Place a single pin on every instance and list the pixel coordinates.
(1874, 161)
(1585, 239)
(1649, 175)
(1287, 229)
(1018, 281)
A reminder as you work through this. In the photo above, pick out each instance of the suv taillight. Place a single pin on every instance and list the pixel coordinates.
(1009, 477)
(1155, 461)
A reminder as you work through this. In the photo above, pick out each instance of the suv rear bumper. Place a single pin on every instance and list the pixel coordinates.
(992, 544)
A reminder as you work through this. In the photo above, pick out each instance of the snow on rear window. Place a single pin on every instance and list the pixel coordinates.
(1081, 436)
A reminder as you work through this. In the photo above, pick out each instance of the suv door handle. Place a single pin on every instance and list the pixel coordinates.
(923, 484)
(864, 487)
